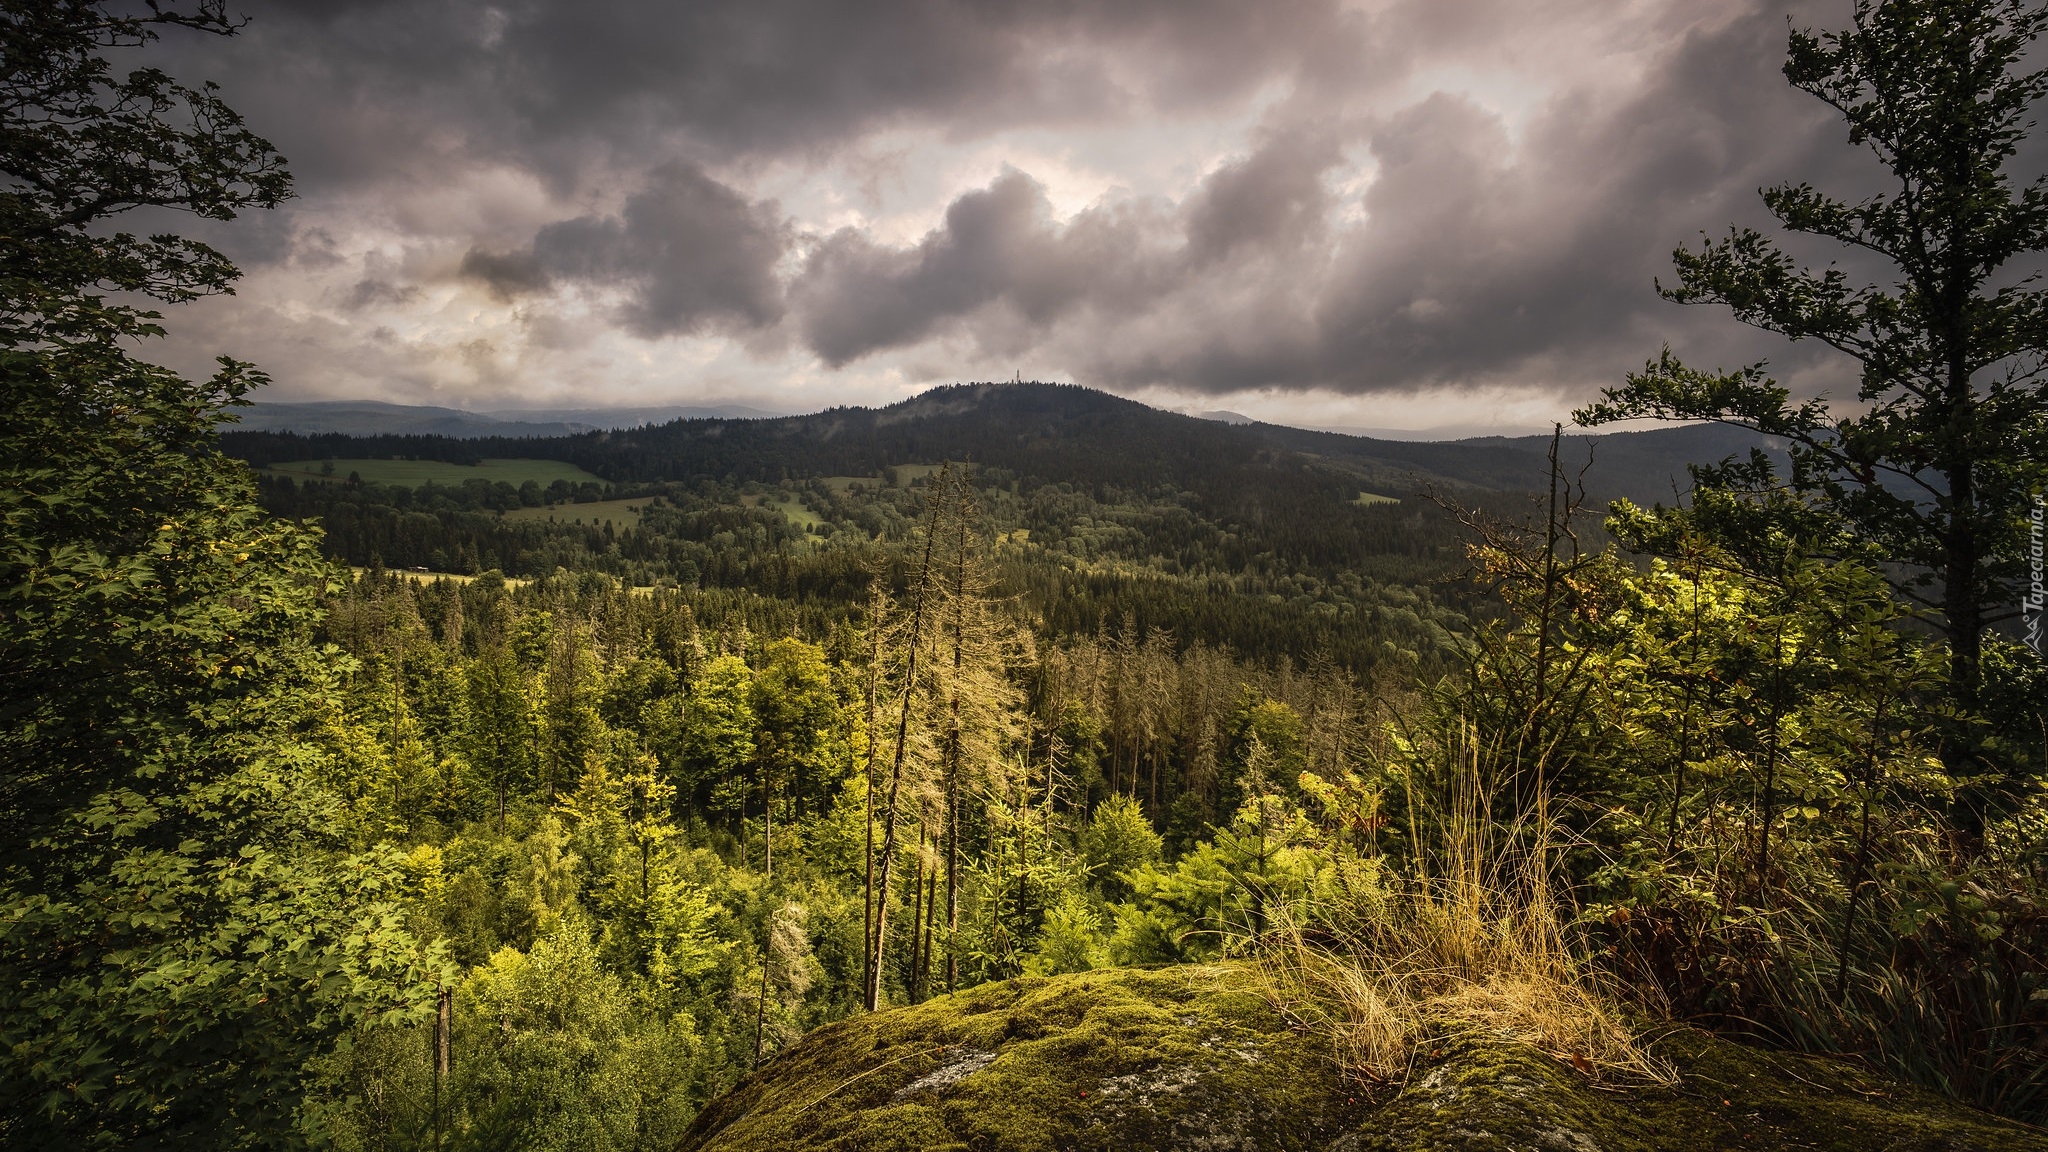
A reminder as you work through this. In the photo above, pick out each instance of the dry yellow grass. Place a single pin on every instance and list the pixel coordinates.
(1473, 939)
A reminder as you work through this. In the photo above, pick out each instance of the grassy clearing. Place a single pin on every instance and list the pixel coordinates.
(414, 473)
(793, 509)
(422, 576)
(907, 474)
(841, 485)
(1368, 499)
(620, 514)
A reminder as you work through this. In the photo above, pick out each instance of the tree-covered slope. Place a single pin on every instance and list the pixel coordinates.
(1270, 540)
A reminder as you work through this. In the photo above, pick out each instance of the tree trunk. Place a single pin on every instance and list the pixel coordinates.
(896, 767)
(931, 914)
(917, 937)
(953, 757)
(867, 923)
(1860, 870)
(953, 860)
(1962, 558)
(443, 1019)
(1771, 740)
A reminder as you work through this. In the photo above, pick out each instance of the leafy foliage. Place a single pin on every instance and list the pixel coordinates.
(180, 934)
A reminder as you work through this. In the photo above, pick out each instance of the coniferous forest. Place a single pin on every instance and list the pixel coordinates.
(338, 811)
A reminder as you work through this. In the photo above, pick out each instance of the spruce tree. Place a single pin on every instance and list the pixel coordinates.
(1934, 465)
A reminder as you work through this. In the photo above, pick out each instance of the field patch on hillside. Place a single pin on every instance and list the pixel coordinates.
(425, 576)
(793, 509)
(841, 485)
(414, 473)
(909, 474)
(1368, 499)
(620, 514)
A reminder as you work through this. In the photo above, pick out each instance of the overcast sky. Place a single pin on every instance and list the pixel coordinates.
(1390, 213)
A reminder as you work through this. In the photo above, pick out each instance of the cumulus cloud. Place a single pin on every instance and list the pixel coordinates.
(998, 255)
(1273, 199)
(685, 252)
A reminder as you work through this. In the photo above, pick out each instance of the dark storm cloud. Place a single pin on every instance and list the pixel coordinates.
(1272, 199)
(1479, 260)
(687, 251)
(998, 246)
(368, 86)
(755, 74)
(1001, 264)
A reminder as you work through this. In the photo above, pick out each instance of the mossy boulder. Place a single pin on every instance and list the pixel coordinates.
(1197, 1058)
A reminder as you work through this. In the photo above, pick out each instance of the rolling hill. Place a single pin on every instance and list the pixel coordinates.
(1051, 432)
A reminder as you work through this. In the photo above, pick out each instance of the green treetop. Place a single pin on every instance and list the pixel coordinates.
(1934, 464)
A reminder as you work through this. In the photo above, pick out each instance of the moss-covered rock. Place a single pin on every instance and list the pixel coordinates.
(1196, 1058)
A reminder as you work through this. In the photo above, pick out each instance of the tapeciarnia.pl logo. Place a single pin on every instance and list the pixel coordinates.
(2037, 592)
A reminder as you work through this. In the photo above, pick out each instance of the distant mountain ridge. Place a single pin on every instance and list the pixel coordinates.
(380, 418)
(1054, 433)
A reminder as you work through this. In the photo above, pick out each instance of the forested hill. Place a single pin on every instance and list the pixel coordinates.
(1271, 541)
(1059, 433)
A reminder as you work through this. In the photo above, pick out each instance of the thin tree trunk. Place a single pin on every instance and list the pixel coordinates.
(1023, 840)
(397, 711)
(761, 1005)
(443, 1019)
(917, 937)
(761, 1008)
(953, 867)
(931, 915)
(953, 751)
(1860, 873)
(896, 767)
(1538, 721)
(867, 923)
(1771, 736)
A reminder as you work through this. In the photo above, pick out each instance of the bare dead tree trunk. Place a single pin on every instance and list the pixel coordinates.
(931, 914)
(917, 937)
(959, 607)
(896, 767)
(867, 952)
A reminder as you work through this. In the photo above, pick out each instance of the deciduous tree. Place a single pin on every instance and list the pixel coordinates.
(181, 931)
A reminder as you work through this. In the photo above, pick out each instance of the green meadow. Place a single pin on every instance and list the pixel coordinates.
(620, 514)
(793, 509)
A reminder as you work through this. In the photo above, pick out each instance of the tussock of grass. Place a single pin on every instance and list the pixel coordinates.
(1382, 963)
(1447, 958)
